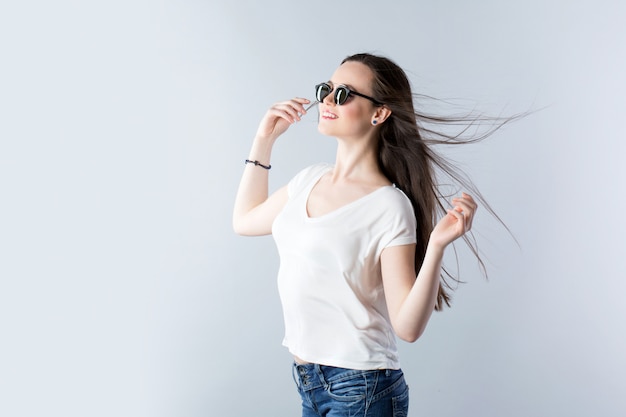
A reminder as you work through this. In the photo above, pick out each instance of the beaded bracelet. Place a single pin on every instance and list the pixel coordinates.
(257, 163)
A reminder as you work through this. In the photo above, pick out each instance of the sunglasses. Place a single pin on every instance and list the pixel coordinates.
(342, 94)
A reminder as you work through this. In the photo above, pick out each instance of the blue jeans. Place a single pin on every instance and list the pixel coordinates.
(327, 391)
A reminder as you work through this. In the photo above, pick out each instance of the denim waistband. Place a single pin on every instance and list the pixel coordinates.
(311, 375)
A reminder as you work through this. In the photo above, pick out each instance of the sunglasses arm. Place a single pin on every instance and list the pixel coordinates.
(311, 105)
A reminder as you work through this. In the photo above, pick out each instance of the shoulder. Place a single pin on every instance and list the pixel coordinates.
(307, 175)
(314, 169)
(396, 206)
(396, 197)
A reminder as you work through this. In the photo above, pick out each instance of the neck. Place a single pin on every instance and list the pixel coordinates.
(357, 161)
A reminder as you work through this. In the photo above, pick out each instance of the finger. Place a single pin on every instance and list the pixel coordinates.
(459, 219)
(458, 213)
(282, 113)
(463, 205)
(470, 199)
(287, 111)
(464, 215)
(299, 104)
(302, 100)
(468, 204)
(306, 105)
(311, 106)
(467, 214)
(295, 107)
(465, 195)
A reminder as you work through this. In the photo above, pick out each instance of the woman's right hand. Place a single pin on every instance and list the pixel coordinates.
(280, 116)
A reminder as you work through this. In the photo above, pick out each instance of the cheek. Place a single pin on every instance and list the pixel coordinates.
(352, 112)
(357, 118)
(353, 120)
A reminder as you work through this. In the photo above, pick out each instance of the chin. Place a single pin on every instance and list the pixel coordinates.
(325, 130)
(335, 132)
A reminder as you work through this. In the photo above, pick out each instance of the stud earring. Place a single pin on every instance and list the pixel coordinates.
(374, 122)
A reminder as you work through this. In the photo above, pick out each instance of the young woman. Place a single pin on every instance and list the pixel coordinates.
(359, 242)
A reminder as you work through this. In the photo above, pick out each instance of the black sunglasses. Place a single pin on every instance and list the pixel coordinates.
(342, 94)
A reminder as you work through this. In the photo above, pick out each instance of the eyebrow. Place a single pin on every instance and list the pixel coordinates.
(345, 85)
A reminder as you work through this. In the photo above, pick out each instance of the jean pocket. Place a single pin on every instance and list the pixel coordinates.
(401, 403)
(350, 389)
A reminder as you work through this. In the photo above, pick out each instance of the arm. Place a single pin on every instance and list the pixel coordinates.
(411, 300)
(254, 211)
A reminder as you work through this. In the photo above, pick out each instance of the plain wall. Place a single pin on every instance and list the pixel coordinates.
(123, 130)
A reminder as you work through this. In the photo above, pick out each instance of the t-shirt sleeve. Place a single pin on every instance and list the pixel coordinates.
(402, 223)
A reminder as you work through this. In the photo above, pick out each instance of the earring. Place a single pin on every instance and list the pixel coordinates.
(374, 122)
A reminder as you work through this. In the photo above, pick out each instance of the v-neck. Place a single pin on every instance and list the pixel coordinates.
(339, 209)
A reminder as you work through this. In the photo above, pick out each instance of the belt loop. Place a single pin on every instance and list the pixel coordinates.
(294, 374)
(320, 374)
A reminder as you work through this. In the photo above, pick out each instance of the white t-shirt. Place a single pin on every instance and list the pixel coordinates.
(330, 280)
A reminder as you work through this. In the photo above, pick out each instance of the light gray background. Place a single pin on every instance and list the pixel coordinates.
(124, 125)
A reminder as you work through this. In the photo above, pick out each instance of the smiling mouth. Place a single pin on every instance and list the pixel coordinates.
(328, 115)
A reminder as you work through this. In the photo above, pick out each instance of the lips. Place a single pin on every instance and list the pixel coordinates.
(328, 115)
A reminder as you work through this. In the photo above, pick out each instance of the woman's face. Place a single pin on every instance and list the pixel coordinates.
(353, 119)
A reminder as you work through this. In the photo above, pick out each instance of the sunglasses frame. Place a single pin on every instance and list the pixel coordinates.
(341, 88)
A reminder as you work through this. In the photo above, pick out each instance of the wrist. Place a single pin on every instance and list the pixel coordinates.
(261, 151)
(258, 164)
(436, 248)
(262, 140)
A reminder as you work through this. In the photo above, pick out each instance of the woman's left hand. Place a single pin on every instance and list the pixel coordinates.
(456, 223)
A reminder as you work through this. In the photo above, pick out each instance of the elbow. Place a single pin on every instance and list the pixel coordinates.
(238, 227)
(409, 335)
(411, 339)
(245, 228)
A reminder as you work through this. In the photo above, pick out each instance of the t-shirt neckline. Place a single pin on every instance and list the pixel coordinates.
(340, 209)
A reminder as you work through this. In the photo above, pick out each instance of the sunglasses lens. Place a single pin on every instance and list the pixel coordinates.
(341, 95)
(322, 91)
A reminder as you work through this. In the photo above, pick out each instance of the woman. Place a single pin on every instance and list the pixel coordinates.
(352, 237)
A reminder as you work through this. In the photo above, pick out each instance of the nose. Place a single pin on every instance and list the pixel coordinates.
(329, 99)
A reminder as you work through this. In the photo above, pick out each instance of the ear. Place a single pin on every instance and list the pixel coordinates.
(381, 114)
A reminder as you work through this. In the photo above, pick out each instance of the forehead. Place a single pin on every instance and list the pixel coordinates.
(353, 74)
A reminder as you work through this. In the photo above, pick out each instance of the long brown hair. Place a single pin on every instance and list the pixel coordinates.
(407, 158)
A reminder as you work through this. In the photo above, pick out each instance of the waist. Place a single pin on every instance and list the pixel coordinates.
(310, 376)
(299, 361)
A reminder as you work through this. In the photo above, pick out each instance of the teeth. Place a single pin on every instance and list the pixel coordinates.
(329, 115)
